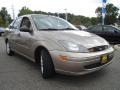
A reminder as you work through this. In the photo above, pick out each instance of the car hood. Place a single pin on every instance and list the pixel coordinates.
(80, 37)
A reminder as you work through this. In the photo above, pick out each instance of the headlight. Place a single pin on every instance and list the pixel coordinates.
(73, 47)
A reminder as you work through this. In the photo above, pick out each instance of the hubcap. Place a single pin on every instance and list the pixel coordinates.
(41, 64)
(8, 48)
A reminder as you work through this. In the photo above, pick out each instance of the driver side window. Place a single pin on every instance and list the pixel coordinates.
(26, 22)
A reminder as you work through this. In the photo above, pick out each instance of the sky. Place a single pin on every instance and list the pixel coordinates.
(77, 7)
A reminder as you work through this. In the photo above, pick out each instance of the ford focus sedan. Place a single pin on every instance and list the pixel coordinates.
(57, 46)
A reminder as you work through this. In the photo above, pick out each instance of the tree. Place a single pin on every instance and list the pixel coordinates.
(5, 17)
(118, 20)
(1, 21)
(74, 19)
(94, 20)
(25, 11)
(111, 15)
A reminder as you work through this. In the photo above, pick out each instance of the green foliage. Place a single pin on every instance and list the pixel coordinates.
(5, 18)
(119, 18)
(80, 20)
(118, 21)
(74, 19)
(1, 21)
(94, 20)
(111, 15)
(25, 11)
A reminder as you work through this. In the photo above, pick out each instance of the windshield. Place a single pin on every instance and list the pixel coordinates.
(45, 22)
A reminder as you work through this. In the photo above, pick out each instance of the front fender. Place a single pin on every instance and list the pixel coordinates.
(48, 44)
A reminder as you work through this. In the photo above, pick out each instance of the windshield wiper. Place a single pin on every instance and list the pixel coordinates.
(49, 29)
(67, 29)
(57, 29)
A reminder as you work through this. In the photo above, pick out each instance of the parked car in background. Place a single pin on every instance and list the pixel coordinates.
(1, 31)
(108, 32)
(80, 27)
(57, 46)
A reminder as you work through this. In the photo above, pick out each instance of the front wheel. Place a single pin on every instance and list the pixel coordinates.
(47, 67)
(8, 49)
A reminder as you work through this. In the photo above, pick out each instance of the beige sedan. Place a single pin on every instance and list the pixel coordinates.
(57, 46)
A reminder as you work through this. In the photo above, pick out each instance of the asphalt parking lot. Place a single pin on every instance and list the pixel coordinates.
(18, 73)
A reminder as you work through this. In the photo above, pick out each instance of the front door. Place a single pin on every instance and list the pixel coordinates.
(24, 39)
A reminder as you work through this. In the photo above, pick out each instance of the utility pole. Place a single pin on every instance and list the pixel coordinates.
(65, 14)
(13, 12)
(103, 11)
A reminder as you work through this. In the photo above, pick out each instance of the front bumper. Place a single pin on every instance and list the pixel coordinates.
(80, 63)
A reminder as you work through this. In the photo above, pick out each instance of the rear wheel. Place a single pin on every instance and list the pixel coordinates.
(8, 49)
(46, 64)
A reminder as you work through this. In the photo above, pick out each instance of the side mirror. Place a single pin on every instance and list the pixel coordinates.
(25, 29)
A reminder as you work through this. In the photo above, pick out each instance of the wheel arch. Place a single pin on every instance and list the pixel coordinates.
(37, 52)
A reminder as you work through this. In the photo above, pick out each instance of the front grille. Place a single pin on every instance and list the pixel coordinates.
(93, 65)
(98, 48)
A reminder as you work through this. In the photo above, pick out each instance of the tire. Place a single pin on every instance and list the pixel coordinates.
(8, 49)
(46, 64)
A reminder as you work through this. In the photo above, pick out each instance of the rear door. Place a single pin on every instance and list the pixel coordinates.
(14, 31)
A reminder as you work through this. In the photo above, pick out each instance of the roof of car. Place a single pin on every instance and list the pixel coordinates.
(101, 25)
(27, 15)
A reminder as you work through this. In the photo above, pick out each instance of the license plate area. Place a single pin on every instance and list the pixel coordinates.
(104, 59)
